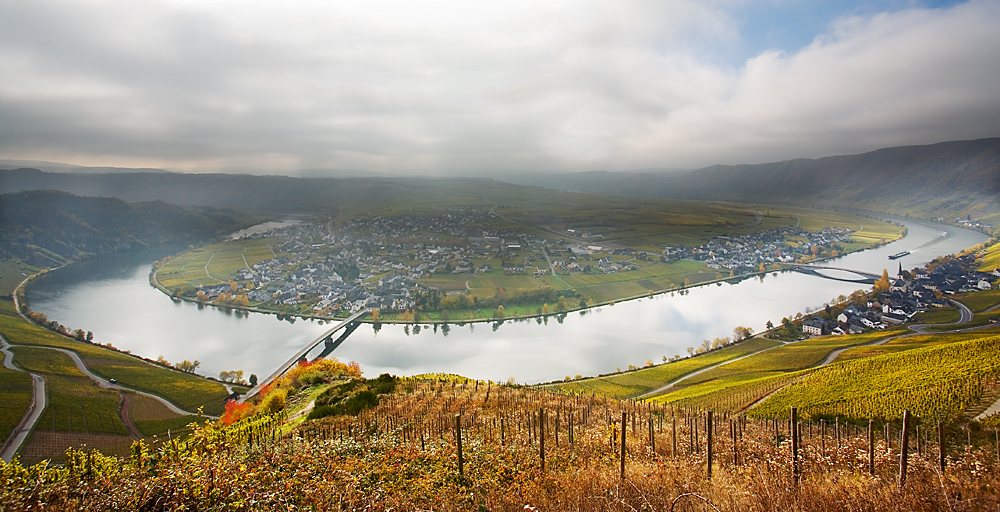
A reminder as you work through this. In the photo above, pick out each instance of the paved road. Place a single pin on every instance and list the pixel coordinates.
(671, 384)
(105, 384)
(38, 402)
(966, 317)
(551, 266)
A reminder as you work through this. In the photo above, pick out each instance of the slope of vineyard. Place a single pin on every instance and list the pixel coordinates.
(936, 383)
(463, 445)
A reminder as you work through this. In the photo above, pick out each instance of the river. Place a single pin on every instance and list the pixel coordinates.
(111, 296)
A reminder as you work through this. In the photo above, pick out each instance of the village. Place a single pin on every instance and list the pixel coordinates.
(902, 298)
(387, 262)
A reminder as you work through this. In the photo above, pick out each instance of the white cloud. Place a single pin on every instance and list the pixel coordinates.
(452, 86)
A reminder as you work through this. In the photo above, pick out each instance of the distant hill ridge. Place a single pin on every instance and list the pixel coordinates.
(47, 228)
(943, 177)
(960, 178)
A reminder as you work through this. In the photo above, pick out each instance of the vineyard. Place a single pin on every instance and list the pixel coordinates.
(453, 444)
(185, 390)
(936, 383)
(625, 385)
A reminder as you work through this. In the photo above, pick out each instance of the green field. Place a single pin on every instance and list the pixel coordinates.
(184, 390)
(980, 301)
(638, 382)
(154, 419)
(948, 315)
(75, 403)
(15, 395)
(735, 385)
(991, 260)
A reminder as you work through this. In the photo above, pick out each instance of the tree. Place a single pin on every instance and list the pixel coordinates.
(770, 325)
(90, 337)
(253, 379)
(375, 314)
(690, 351)
(741, 333)
(188, 366)
(705, 345)
(882, 284)
(162, 360)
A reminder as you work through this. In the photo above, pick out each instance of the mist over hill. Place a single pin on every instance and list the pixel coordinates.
(948, 177)
(47, 228)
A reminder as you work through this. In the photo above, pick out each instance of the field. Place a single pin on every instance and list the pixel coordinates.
(212, 264)
(935, 383)
(184, 390)
(991, 260)
(76, 406)
(638, 382)
(947, 315)
(980, 301)
(734, 386)
(15, 395)
(154, 419)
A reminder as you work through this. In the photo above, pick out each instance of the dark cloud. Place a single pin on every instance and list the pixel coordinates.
(459, 87)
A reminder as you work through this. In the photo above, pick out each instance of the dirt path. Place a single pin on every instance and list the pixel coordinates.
(124, 406)
(664, 388)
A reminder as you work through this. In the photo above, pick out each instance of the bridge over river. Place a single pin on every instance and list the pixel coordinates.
(349, 324)
(862, 277)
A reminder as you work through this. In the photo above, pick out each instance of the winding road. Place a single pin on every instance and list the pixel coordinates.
(39, 399)
(673, 383)
(38, 402)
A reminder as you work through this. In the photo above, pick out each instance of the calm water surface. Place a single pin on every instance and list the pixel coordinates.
(112, 297)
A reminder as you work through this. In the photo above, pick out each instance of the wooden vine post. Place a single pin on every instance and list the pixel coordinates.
(622, 454)
(871, 447)
(458, 441)
(794, 431)
(652, 437)
(541, 438)
(708, 439)
(904, 447)
(941, 449)
(673, 438)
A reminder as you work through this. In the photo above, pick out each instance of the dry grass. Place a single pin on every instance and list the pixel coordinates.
(402, 456)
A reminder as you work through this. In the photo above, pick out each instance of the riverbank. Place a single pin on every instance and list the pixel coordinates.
(115, 302)
(542, 310)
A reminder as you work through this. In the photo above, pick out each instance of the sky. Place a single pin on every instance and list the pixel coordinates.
(458, 87)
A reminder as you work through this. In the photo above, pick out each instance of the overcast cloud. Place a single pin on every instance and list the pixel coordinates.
(460, 87)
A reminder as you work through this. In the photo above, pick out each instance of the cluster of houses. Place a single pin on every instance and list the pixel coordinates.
(743, 254)
(907, 297)
(378, 262)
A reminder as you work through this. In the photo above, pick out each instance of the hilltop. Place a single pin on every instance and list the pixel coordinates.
(956, 178)
(48, 228)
